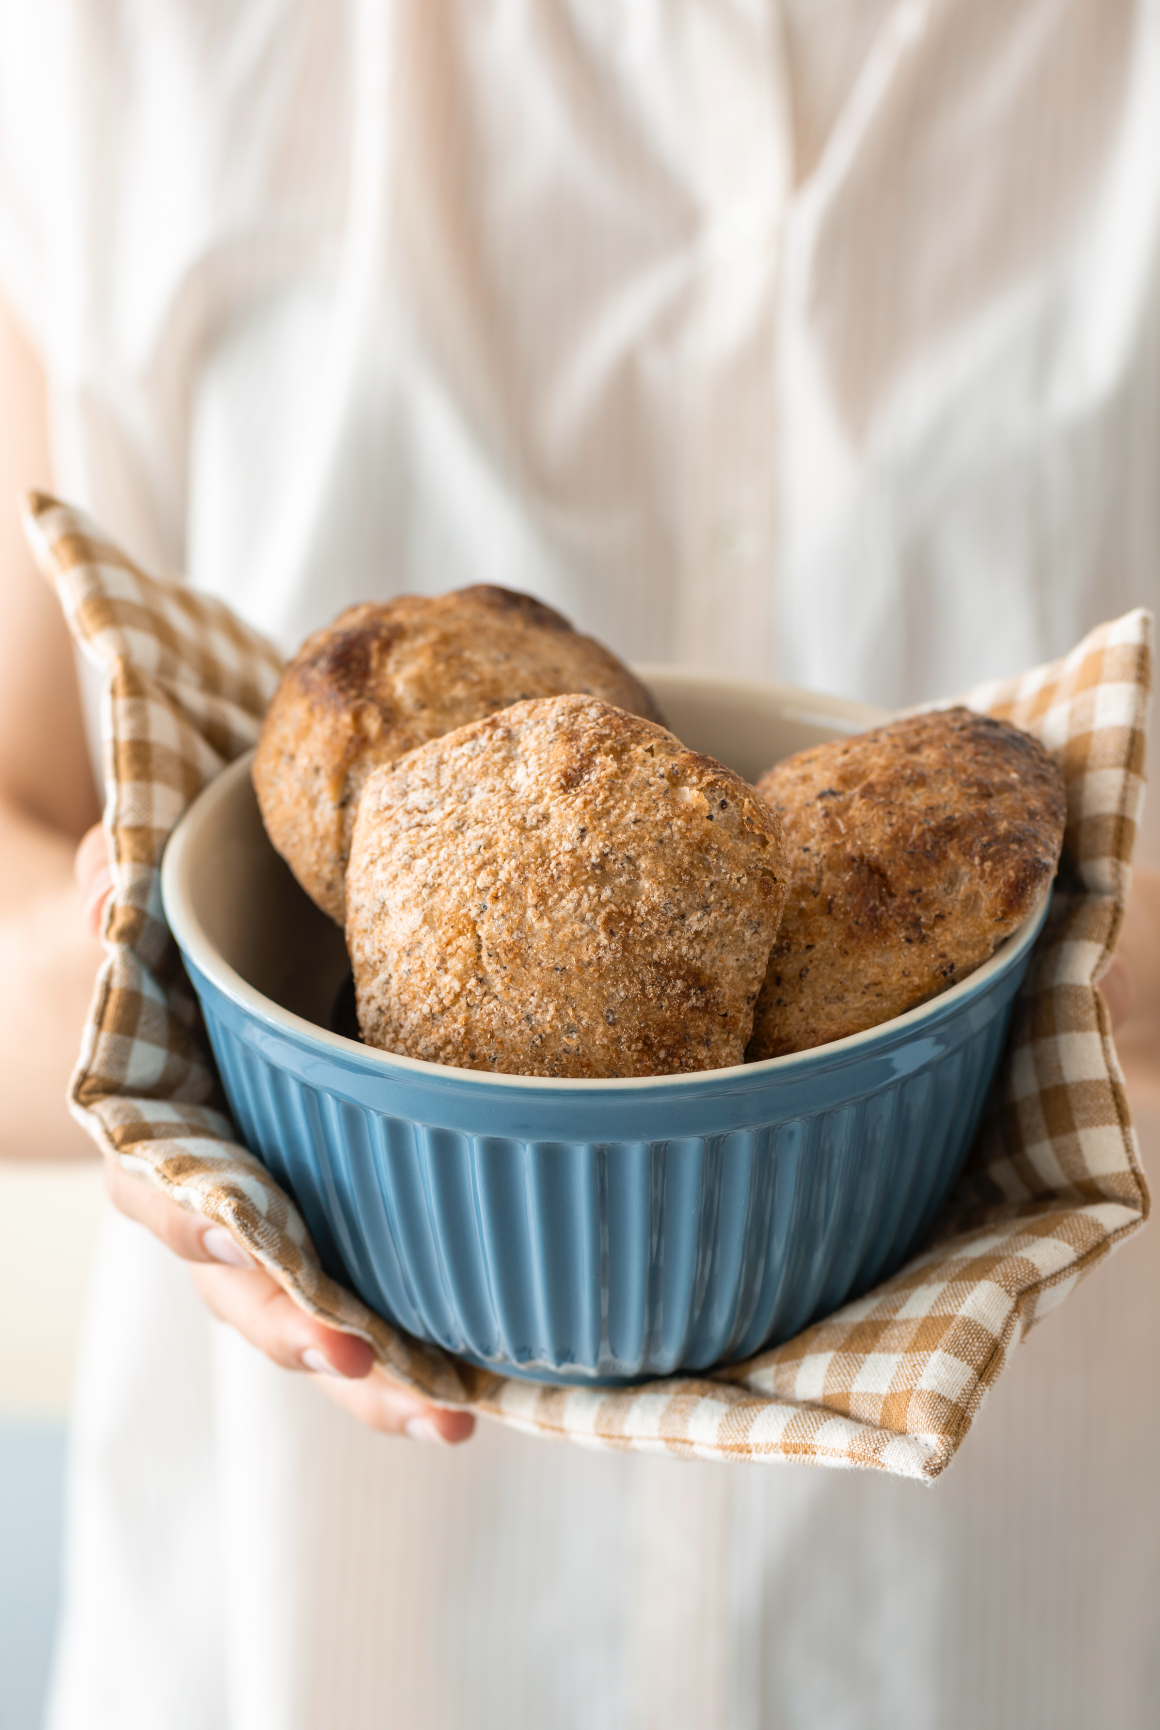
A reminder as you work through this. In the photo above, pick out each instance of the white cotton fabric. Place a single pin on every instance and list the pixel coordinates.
(815, 340)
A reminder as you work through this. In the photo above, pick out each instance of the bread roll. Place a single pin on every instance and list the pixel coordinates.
(386, 677)
(914, 849)
(562, 889)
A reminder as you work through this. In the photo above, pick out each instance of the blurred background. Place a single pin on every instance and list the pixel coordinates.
(44, 1269)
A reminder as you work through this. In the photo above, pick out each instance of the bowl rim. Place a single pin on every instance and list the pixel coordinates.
(197, 948)
(795, 701)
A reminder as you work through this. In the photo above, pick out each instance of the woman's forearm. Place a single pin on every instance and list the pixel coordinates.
(48, 963)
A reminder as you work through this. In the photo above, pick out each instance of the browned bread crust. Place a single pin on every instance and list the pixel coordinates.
(386, 677)
(915, 849)
(562, 889)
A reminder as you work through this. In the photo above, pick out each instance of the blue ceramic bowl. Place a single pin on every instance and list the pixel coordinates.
(582, 1231)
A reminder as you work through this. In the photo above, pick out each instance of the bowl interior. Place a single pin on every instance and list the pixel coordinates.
(253, 913)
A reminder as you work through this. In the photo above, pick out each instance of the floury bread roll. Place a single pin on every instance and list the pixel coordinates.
(564, 890)
(384, 678)
(915, 849)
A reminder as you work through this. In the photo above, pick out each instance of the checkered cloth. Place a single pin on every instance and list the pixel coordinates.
(892, 1381)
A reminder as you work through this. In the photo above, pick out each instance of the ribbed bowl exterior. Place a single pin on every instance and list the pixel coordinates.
(612, 1233)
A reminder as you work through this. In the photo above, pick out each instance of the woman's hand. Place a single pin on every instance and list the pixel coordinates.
(241, 1294)
(245, 1297)
(1131, 988)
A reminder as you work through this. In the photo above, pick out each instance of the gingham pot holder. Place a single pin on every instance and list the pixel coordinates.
(892, 1381)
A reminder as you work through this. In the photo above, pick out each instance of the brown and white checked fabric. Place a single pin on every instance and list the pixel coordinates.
(892, 1381)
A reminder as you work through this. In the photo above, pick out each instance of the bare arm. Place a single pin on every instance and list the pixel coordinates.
(48, 960)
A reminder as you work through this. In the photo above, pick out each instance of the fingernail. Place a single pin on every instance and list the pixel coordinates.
(224, 1247)
(99, 890)
(312, 1359)
(423, 1430)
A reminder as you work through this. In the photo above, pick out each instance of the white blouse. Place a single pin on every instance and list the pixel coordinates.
(817, 339)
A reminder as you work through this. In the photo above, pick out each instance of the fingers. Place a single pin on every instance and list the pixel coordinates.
(189, 1235)
(264, 1314)
(344, 1367)
(384, 1405)
(94, 874)
(1117, 988)
(243, 1296)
